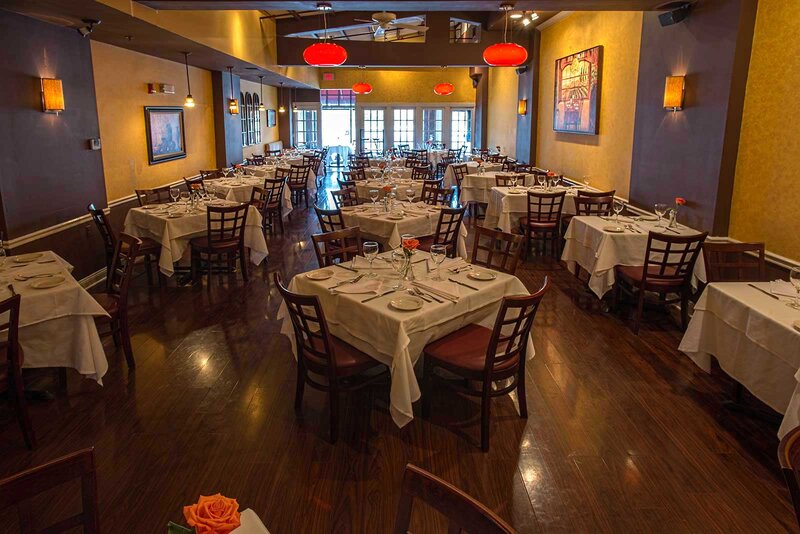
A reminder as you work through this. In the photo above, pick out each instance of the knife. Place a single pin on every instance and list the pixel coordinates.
(767, 293)
(378, 296)
(346, 267)
(668, 229)
(463, 284)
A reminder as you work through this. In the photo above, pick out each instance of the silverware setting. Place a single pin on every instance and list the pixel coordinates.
(378, 295)
(460, 269)
(463, 284)
(632, 228)
(350, 281)
(419, 293)
(414, 294)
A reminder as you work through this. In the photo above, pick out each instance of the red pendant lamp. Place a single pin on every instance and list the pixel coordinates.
(362, 87)
(505, 54)
(324, 54)
(444, 88)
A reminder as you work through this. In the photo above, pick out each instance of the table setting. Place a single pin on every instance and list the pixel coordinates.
(473, 167)
(56, 323)
(240, 189)
(173, 225)
(391, 305)
(506, 205)
(365, 190)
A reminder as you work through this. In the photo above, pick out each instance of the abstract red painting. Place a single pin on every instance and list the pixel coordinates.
(577, 92)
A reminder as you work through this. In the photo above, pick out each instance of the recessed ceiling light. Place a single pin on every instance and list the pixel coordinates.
(517, 15)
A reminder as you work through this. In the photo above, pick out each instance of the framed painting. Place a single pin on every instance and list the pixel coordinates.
(166, 139)
(577, 92)
(272, 119)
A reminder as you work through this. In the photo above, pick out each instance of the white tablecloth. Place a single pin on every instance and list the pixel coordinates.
(57, 327)
(241, 189)
(394, 172)
(420, 220)
(363, 189)
(478, 187)
(505, 209)
(174, 234)
(472, 168)
(752, 337)
(398, 338)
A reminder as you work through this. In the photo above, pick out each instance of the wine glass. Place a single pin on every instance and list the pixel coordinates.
(513, 181)
(794, 278)
(399, 264)
(373, 195)
(660, 209)
(174, 193)
(438, 254)
(618, 207)
(410, 195)
(370, 249)
(540, 179)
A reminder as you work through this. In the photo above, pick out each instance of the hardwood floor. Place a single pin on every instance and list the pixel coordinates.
(624, 434)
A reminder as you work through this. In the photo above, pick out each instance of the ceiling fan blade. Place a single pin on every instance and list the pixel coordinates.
(364, 20)
(403, 26)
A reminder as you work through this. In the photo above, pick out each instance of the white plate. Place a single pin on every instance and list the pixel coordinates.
(396, 217)
(175, 215)
(27, 258)
(406, 303)
(481, 275)
(614, 229)
(322, 274)
(47, 283)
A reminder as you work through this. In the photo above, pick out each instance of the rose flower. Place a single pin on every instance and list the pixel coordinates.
(213, 515)
(680, 201)
(410, 244)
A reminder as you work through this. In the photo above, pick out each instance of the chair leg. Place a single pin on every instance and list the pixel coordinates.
(16, 394)
(485, 404)
(126, 343)
(148, 269)
(684, 308)
(243, 262)
(639, 311)
(334, 415)
(62, 379)
(522, 399)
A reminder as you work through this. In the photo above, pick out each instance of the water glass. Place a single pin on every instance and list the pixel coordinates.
(174, 193)
(660, 210)
(370, 249)
(794, 278)
(438, 254)
(410, 195)
(618, 207)
(373, 195)
(399, 263)
(540, 179)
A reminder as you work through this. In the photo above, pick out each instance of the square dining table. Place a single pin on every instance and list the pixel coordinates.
(397, 338)
(173, 227)
(364, 187)
(56, 324)
(507, 205)
(240, 189)
(472, 168)
(418, 219)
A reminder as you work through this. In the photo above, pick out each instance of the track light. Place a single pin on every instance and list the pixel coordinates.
(88, 26)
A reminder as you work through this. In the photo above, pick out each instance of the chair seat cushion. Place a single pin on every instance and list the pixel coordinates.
(635, 273)
(108, 301)
(201, 243)
(536, 225)
(349, 360)
(465, 349)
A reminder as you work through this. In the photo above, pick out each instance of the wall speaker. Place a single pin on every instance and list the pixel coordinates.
(522, 70)
(677, 13)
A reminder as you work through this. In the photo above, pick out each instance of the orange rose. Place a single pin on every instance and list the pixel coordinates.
(680, 201)
(382, 165)
(213, 515)
(386, 188)
(479, 160)
(410, 244)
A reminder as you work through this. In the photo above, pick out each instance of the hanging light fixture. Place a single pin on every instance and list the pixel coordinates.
(362, 87)
(261, 106)
(444, 88)
(188, 102)
(233, 103)
(281, 109)
(324, 54)
(505, 54)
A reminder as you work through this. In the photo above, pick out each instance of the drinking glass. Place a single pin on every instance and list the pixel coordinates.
(174, 193)
(399, 264)
(794, 278)
(410, 195)
(660, 209)
(618, 207)
(185, 200)
(373, 195)
(514, 181)
(438, 254)
(370, 249)
(541, 179)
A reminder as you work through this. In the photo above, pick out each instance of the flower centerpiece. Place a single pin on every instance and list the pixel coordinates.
(215, 514)
(386, 189)
(409, 246)
(673, 219)
(382, 165)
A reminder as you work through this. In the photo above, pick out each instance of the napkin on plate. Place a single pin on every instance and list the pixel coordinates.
(362, 286)
(782, 288)
(446, 290)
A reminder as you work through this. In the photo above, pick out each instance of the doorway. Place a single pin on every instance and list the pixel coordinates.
(338, 124)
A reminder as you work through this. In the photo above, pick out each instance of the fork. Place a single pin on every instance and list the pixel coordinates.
(415, 294)
(350, 281)
(419, 293)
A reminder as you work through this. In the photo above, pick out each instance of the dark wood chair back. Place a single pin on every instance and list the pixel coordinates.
(496, 250)
(593, 205)
(545, 207)
(213, 174)
(459, 172)
(272, 153)
(329, 220)
(597, 194)
(420, 173)
(12, 367)
(341, 244)
(523, 168)
(275, 187)
(437, 196)
(789, 460)
(225, 225)
(447, 229)
(106, 233)
(259, 198)
(464, 513)
(509, 165)
(158, 195)
(32, 482)
(670, 259)
(497, 158)
(734, 262)
(195, 183)
(121, 272)
(256, 159)
(345, 183)
(345, 197)
(297, 176)
(355, 174)
(505, 180)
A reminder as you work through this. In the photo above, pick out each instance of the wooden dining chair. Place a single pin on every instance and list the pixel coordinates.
(273, 210)
(158, 195)
(324, 361)
(597, 194)
(345, 197)
(668, 265)
(272, 153)
(442, 165)
(150, 249)
(437, 196)
(355, 174)
(789, 460)
(734, 262)
(212, 174)
(496, 250)
(114, 300)
(195, 183)
(460, 171)
(509, 165)
(341, 245)
(479, 354)
(329, 220)
(223, 242)
(420, 172)
(297, 180)
(27, 484)
(496, 158)
(256, 159)
(523, 168)
(447, 229)
(543, 220)
(597, 206)
(505, 180)
(344, 183)
(463, 513)
(567, 218)
(11, 367)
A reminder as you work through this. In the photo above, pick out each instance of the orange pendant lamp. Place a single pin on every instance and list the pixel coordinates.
(362, 87)
(324, 54)
(505, 54)
(444, 88)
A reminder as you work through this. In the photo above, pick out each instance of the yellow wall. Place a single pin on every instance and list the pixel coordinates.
(502, 114)
(404, 85)
(766, 195)
(270, 102)
(121, 78)
(605, 158)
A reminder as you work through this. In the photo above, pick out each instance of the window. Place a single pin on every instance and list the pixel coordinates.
(243, 118)
(250, 120)
(373, 130)
(403, 127)
(337, 98)
(256, 120)
(432, 120)
(306, 121)
(461, 128)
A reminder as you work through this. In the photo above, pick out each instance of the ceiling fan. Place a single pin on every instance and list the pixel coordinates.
(385, 21)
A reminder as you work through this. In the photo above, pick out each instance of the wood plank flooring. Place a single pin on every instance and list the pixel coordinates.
(624, 434)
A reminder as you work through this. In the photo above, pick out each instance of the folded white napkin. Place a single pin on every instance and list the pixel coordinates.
(452, 263)
(446, 290)
(362, 286)
(782, 288)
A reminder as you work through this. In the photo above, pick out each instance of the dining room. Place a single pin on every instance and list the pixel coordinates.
(475, 266)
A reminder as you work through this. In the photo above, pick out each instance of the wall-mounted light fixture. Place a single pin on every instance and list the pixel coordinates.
(281, 107)
(674, 90)
(233, 102)
(522, 107)
(261, 106)
(188, 102)
(52, 96)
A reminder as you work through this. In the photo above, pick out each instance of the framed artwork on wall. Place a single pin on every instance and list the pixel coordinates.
(166, 138)
(576, 104)
(272, 119)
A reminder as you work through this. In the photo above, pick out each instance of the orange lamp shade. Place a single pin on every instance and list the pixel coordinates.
(233, 106)
(52, 95)
(674, 89)
(362, 88)
(444, 89)
(325, 55)
(505, 55)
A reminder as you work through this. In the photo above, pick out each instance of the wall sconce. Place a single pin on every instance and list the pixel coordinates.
(522, 107)
(674, 89)
(233, 103)
(52, 96)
